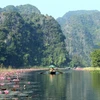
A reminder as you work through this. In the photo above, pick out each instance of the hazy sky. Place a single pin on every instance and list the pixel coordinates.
(55, 8)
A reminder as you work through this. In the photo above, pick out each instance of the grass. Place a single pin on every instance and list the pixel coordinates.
(3, 69)
(92, 68)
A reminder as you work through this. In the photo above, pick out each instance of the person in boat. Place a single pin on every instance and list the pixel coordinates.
(52, 70)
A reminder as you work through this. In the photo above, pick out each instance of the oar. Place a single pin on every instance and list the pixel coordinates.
(60, 72)
(42, 72)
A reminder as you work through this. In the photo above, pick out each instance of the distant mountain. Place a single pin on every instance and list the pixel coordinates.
(82, 31)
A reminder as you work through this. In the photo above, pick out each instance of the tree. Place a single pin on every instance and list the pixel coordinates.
(76, 61)
(95, 58)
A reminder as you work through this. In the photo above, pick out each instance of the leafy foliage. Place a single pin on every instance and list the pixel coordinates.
(95, 57)
(76, 61)
(30, 39)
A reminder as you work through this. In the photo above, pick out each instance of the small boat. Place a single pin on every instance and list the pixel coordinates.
(52, 70)
(53, 73)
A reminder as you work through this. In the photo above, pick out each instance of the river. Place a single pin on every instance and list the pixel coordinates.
(71, 85)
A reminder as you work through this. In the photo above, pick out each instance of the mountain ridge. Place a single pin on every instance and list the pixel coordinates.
(21, 8)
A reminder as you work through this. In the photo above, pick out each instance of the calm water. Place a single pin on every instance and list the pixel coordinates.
(72, 85)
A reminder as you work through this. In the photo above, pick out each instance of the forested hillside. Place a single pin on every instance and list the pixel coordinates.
(82, 32)
(28, 38)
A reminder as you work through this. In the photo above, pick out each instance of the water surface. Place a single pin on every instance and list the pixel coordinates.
(71, 85)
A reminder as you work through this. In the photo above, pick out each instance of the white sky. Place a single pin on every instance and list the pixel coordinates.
(55, 8)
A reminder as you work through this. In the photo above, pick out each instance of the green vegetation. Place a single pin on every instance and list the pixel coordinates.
(76, 61)
(95, 57)
(30, 39)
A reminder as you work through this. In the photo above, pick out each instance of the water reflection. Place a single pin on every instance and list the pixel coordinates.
(51, 78)
(76, 85)
(96, 82)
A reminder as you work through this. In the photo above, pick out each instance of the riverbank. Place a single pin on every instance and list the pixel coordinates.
(21, 70)
(9, 70)
(5, 72)
(88, 68)
(92, 68)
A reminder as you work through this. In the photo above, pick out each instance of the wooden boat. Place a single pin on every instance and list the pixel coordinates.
(52, 70)
(53, 73)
